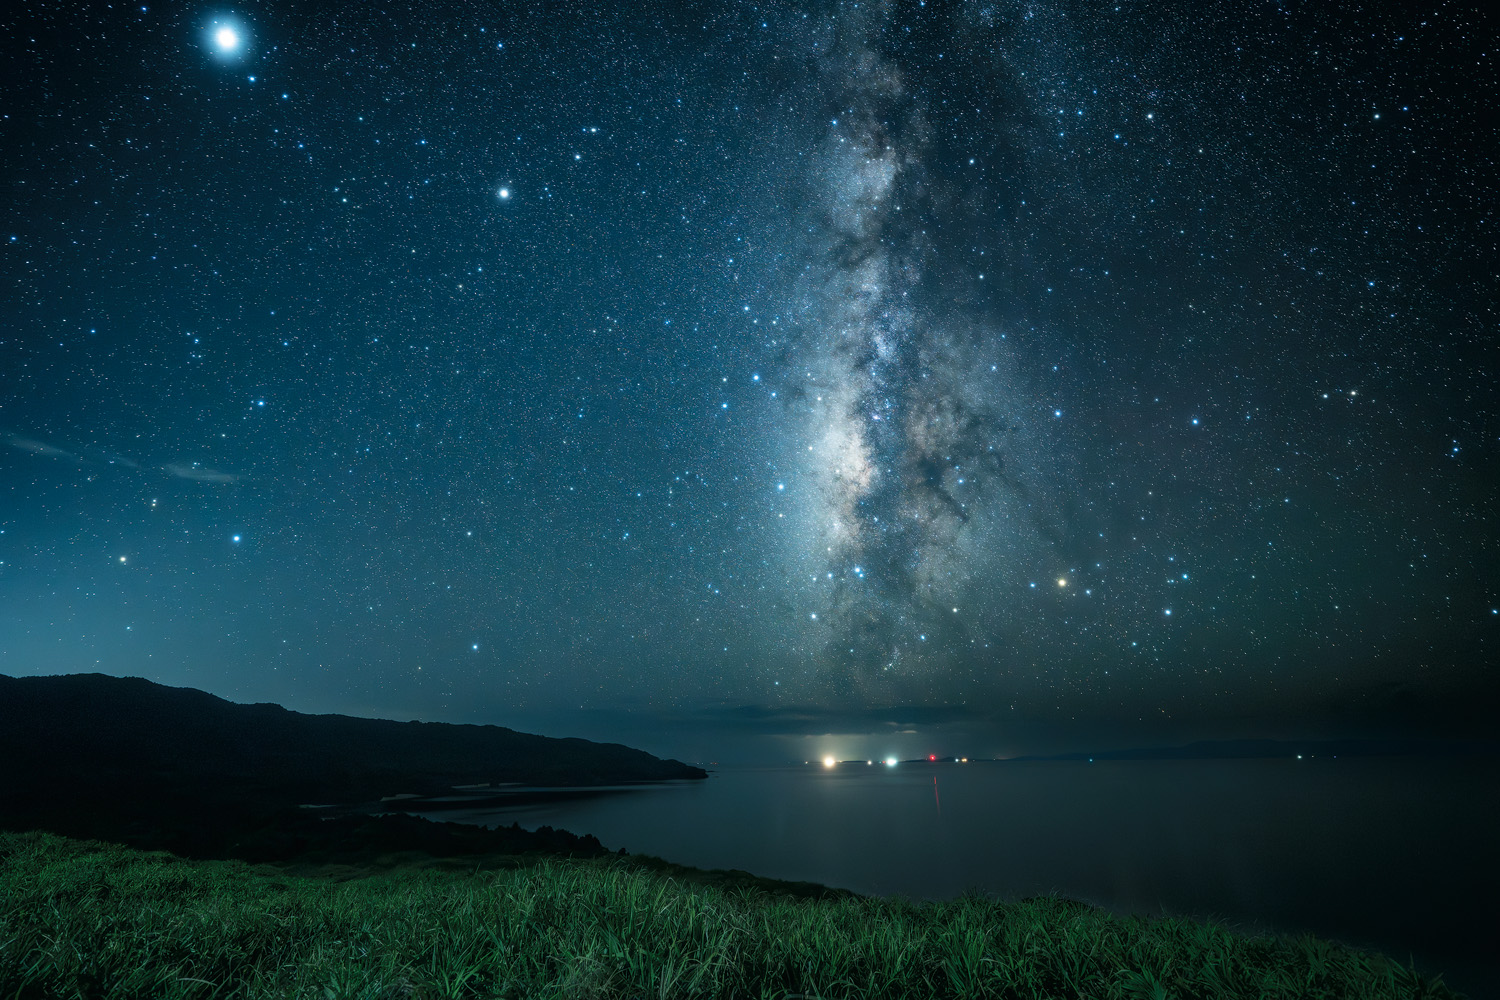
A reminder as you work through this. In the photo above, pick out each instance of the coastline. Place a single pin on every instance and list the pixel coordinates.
(103, 920)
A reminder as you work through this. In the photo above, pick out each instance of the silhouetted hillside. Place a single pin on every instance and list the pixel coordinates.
(124, 758)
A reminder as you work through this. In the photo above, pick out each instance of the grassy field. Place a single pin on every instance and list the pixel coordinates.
(83, 919)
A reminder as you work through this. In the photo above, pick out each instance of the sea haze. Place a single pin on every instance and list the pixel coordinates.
(1393, 853)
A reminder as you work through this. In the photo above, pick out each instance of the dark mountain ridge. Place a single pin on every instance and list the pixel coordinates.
(94, 755)
(80, 725)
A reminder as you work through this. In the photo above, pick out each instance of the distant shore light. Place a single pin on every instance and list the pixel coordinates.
(828, 761)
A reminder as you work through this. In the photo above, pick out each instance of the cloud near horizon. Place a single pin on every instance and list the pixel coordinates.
(178, 470)
(42, 448)
(200, 474)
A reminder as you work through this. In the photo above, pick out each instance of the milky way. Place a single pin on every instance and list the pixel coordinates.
(1046, 359)
(919, 508)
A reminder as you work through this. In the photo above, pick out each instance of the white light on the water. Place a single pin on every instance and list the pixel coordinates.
(828, 761)
(890, 762)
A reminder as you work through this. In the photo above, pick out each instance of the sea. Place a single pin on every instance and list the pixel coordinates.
(1397, 854)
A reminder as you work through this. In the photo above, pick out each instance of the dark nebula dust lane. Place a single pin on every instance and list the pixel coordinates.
(1024, 361)
(898, 396)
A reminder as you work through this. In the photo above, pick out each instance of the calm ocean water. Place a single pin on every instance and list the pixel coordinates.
(1399, 854)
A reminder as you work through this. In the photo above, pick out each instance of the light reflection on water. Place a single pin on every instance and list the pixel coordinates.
(1394, 853)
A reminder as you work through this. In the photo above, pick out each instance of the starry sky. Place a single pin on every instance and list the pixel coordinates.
(698, 374)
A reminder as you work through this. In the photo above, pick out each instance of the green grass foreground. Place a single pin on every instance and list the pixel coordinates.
(81, 919)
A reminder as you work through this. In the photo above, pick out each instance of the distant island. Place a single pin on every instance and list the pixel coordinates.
(1251, 749)
(126, 759)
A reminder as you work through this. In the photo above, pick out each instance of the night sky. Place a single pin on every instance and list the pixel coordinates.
(1021, 374)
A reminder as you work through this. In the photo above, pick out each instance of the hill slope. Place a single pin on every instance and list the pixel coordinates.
(94, 755)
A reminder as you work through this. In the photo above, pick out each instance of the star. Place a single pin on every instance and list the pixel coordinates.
(227, 39)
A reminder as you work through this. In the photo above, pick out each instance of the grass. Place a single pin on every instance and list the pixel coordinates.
(83, 919)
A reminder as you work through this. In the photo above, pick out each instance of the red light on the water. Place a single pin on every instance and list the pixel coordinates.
(932, 756)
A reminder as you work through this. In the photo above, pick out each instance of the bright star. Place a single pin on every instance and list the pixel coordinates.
(504, 194)
(227, 38)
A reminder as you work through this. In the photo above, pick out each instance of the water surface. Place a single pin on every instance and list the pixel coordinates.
(1393, 853)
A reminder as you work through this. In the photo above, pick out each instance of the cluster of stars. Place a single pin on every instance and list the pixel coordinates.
(981, 378)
